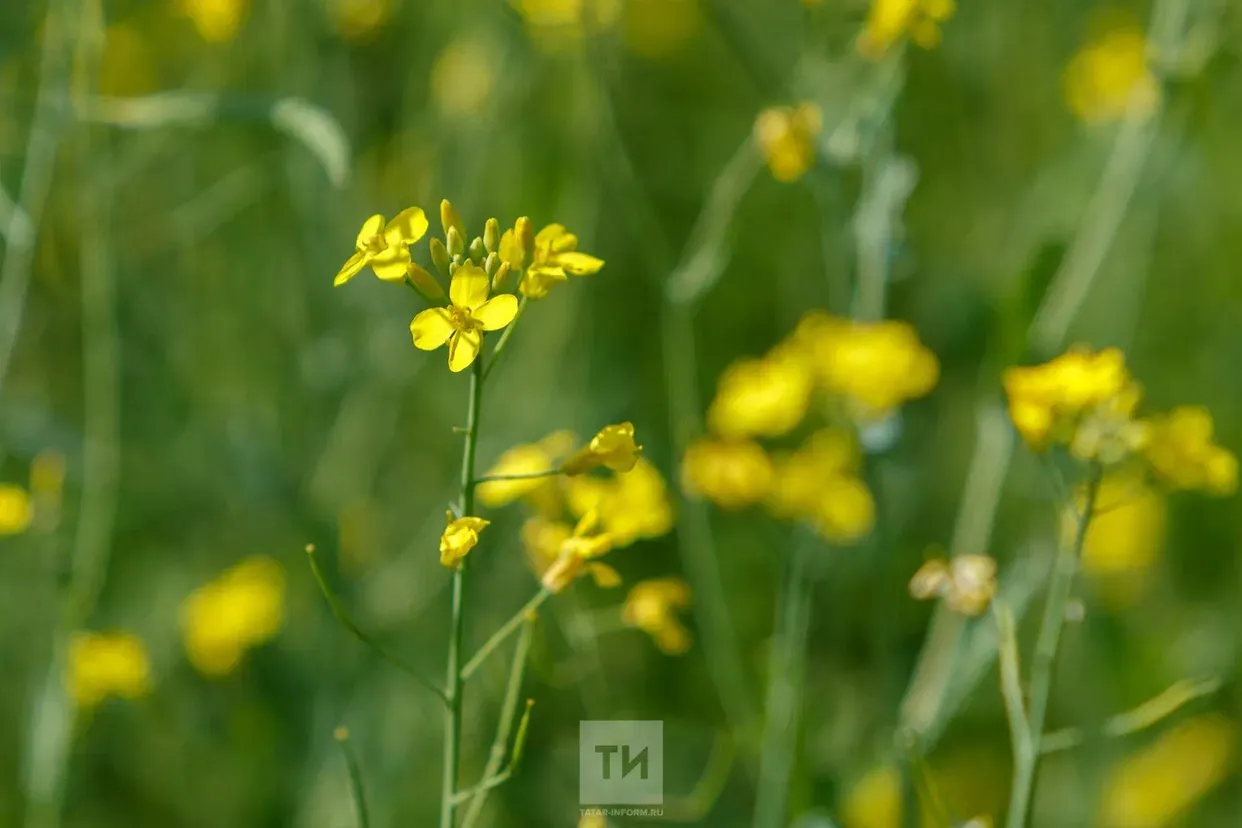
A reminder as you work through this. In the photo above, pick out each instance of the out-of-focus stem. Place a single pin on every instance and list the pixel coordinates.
(357, 789)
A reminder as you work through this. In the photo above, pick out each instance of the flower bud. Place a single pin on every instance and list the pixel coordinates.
(439, 256)
(502, 276)
(425, 284)
(491, 264)
(491, 235)
(449, 220)
(455, 242)
(526, 239)
(476, 249)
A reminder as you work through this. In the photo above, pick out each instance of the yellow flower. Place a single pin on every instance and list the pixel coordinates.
(557, 26)
(593, 820)
(217, 21)
(846, 511)
(819, 483)
(462, 323)
(613, 447)
(1161, 783)
(460, 536)
(764, 397)
(106, 664)
(385, 247)
(554, 258)
(1182, 453)
(541, 492)
(1124, 539)
(874, 801)
(1110, 74)
(965, 582)
(654, 28)
(16, 511)
(357, 20)
(652, 607)
(575, 553)
(889, 21)
(630, 506)
(733, 475)
(241, 609)
(462, 78)
(786, 136)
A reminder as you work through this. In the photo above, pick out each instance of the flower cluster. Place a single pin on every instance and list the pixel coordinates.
(1110, 76)
(848, 374)
(652, 606)
(786, 136)
(103, 664)
(241, 609)
(1086, 401)
(891, 21)
(966, 583)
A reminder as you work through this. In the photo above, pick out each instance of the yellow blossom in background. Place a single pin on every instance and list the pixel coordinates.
(846, 511)
(16, 510)
(1124, 539)
(874, 801)
(819, 483)
(764, 397)
(652, 607)
(966, 583)
(890, 21)
(1110, 74)
(786, 136)
(613, 447)
(358, 20)
(463, 77)
(592, 820)
(576, 552)
(542, 493)
(631, 506)
(1182, 453)
(654, 28)
(459, 537)
(558, 26)
(461, 324)
(1160, 784)
(555, 257)
(242, 608)
(217, 21)
(385, 246)
(733, 475)
(103, 664)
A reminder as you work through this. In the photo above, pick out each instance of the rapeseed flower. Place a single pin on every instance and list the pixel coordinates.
(631, 506)
(652, 607)
(217, 21)
(731, 474)
(787, 137)
(462, 323)
(16, 510)
(542, 493)
(819, 483)
(385, 246)
(1124, 538)
(239, 610)
(1110, 76)
(575, 553)
(558, 26)
(613, 447)
(966, 583)
(890, 21)
(764, 397)
(459, 537)
(1182, 453)
(103, 664)
(358, 20)
(552, 256)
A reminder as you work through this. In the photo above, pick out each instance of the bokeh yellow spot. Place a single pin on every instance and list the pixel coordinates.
(463, 77)
(103, 664)
(242, 608)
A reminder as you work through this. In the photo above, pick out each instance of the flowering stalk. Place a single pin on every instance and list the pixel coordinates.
(1028, 749)
(510, 627)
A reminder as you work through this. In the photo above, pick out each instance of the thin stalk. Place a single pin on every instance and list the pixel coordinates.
(453, 679)
(507, 629)
(357, 790)
(504, 339)
(492, 478)
(1046, 648)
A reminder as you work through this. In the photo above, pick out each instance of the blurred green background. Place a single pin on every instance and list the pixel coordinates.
(166, 287)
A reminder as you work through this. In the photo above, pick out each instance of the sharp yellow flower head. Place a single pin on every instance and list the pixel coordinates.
(890, 21)
(463, 322)
(787, 136)
(733, 475)
(106, 664)
(1109, 78)
(460, 536)
(385, 246)
(764, 397)
(966, 583)
(554, 257)
(1181, 451)
(631, 506)
(16, 510)
(652, 607)
(239, 610)
(613, 447)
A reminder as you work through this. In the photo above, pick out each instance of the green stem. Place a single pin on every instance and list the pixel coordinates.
(510, 627)
(493, 478)
(504, 339)
(356, 789)
(1046, 649)
(346, 621)
(453, 679)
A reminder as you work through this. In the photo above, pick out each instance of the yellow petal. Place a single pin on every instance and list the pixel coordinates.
(578, 264)
(565, 243)
(469, 286)
(463, 348)
(350, 269)
(549, 234)
(370, 227)
(407, 227)
(431, 329)
(511, 249)
(390, 264)
(496, 312)
(604, 575)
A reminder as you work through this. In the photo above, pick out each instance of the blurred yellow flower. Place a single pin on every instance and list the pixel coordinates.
(1110, 74)
(1160, 784)
(217, 21)
(16, 510)
(819, 483)
(462, 323)
(557, 26)
(654, 28)
(874, 801)
(541, 492)
(613, 447)
(462, 78)
(575, 552)
(786, 136)
(1182, 453)
(731, 474)
(889, 21)
(652, 607)
(103, 664)
(764, 397)
(554, 258)
(592, 819)
(631, 506)
(242, 608)
(385, 247)
(1125, 537)
(846, 511)
(358, 20)
(459, 537)
(966, 583)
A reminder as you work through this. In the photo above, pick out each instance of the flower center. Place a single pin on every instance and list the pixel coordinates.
(461, 320)
(375, 244)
